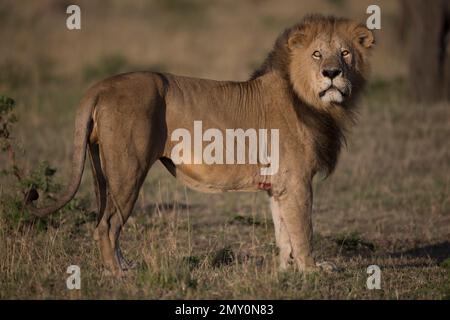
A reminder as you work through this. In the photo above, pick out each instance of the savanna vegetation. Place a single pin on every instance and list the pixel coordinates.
(388, 203)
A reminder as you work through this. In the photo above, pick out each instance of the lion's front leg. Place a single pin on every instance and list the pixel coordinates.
(281, 235)
(293, 225)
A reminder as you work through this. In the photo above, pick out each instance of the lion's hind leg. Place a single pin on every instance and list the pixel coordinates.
(99, 183)
(117, 181)
(127, 153)
(123, 189)
(105, 209)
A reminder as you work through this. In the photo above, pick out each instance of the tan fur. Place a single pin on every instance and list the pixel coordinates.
(127, 120)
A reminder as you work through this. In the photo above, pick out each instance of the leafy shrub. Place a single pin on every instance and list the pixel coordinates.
(353, 242)
(42, 178)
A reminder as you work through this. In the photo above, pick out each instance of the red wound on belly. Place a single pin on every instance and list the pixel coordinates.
(264, 186)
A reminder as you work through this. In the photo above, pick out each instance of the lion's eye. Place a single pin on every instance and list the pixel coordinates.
(345, 53)
(316, 55)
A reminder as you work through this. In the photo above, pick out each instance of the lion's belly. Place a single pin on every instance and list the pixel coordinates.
(220, 178)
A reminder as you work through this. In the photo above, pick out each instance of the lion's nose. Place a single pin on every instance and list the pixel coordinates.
(331, 73)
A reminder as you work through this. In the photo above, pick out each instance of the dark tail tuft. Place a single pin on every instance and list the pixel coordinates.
(31, 196)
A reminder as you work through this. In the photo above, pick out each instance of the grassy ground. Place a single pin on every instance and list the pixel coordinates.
(387, 204)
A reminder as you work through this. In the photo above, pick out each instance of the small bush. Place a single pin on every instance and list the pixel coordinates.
(12, 205)
(223, 257)
(446, 264)
(245, 220)
(353, 242)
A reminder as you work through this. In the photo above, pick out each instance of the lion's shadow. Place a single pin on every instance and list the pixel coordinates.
(419, 257)
(437, 252)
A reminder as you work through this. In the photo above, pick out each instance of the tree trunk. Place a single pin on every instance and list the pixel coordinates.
(428, 41)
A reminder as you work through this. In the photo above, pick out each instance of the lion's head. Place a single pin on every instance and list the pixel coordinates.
(324, 58)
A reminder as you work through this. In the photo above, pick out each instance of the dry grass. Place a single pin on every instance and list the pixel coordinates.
(387, 204)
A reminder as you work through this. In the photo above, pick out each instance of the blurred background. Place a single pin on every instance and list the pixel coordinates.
(219, 39)
(390, 194)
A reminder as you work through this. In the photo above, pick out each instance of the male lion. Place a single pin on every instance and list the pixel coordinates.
(306, 88)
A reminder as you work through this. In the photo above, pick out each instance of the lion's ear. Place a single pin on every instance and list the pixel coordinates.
(296, 40)
(364, 36)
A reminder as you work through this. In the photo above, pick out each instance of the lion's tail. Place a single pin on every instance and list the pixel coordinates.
(83, 127)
